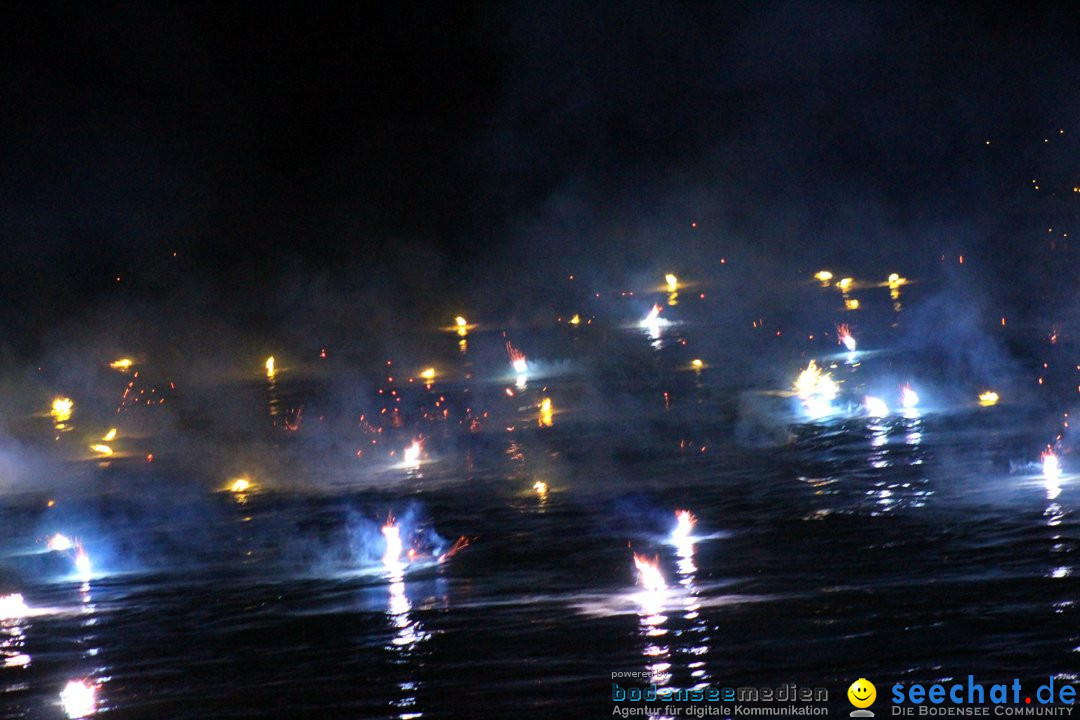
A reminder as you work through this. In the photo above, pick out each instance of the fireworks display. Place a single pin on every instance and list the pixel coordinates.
(805, 270)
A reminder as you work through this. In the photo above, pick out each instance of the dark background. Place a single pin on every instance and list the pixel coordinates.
(303, 158)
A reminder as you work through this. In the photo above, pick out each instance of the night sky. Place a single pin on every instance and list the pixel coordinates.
(429, 155)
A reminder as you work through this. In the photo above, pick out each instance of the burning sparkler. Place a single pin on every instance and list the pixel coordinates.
(649, 573)
(813, 382)
(62, 408)
(517, 359)
(908, 397)
(79, 699)
(1051, 466)
(546, 413)
(816, 389)
(875, 407)
(394, 547)
(684, 524)
(82, 562)
(411, 454)
(652, 324)
(240, 485)
(519, 363)
(844, 337)
(13, 607)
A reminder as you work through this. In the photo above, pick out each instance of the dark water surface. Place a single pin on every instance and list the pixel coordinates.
(912, 548)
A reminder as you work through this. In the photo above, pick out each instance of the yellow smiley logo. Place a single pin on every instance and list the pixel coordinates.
(862, 693)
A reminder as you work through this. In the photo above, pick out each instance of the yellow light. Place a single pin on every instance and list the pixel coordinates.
(547, 413)
(240, 485)
(271, 367)
(123, 364)
(540, 487)
(823, 276)
(845, 283)
(462, 326)
(62, 408)
(988, 398)
(672, 282)
(104, 450)
(576, 320)
(428, 374)
(851, 304)
(697, 363)
(110, 436)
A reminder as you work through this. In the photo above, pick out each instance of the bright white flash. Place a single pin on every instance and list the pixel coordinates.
(79, 699)
(875, 407)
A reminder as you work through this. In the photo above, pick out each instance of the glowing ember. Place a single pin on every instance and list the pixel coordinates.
(392, 534)
(684, 524)
(649, 573)
(123, 364)
(12, 607)
(845, 284)
(79, 699)
(1051, 466)
(240, 485)
(672, 282)
(271, 367)
(462, 326)
(103, 450)
(908, 397)
(851, 303)
(428, 374)
(576, 320)
(844, 336)
(60, 543)
(411, 454)
(62, 407)
(110, 436)
(875, 407)
(896, 281)
(988, 398)
(540, 487)
(546, 413)
(823, 276)
(697, 364)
